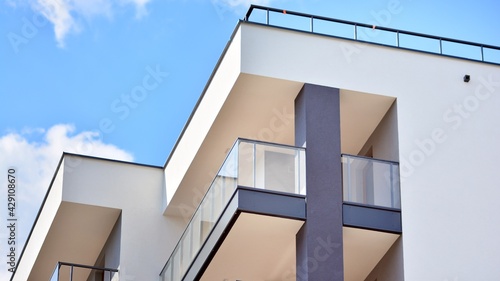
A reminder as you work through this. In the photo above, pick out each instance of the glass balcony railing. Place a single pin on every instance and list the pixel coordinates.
(77, 272)
(250, 164)
(371, 181)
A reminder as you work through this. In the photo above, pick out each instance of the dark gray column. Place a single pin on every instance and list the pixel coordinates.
(317, 127)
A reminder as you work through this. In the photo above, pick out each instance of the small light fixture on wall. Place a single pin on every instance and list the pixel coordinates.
(466, 78)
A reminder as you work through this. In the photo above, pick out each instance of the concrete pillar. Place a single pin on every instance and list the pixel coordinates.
(317, 127)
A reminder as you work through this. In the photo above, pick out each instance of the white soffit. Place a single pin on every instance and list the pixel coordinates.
(360, 113)
(257, 248)
(363, 249)
(76, 235)
(257, 108)
(262, 248)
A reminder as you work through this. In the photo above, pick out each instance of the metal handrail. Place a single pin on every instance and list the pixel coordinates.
(73, 265)
(87, 266)
(356, 25)
(370, 158)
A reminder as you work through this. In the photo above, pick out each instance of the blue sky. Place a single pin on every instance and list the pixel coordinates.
(69, 68)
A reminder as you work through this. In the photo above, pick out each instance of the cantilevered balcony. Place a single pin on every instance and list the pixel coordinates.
(76, 272)
(267, 181)
(277, 171)
(371, 214)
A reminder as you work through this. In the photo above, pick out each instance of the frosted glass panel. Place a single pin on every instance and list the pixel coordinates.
(371, 181)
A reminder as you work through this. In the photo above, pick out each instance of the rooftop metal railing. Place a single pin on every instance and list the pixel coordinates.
(374, 34)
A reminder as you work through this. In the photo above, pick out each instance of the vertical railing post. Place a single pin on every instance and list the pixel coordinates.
(355, 32)
(58, 271)
(391, 171)
(254, 165)
(297, 188)
(312, 24)
(71, 273)
(482, 53)
(397, 38)
(267, 16)
(237, 164)
(440, 46)
(348, 164)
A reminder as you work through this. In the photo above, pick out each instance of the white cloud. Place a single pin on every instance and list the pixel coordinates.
(66, 15)
(140, 7)
(236, 6)
(35, 163)
(57, 12)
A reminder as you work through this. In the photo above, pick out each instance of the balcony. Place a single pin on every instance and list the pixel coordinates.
(77, 272)
(278, 170)
(371, 181)
(258, 181)
(371, 193)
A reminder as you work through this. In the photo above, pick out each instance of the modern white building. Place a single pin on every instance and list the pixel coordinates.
(320, 149)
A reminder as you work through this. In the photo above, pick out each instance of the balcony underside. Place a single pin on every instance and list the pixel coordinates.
(256, 227)
(363, 250)
(77, 234)
(255, 240)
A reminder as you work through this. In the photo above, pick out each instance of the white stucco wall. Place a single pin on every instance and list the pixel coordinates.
(146, 236)
(448, 139)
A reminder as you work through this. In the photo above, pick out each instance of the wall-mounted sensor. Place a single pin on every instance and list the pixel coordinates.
(466, 78)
